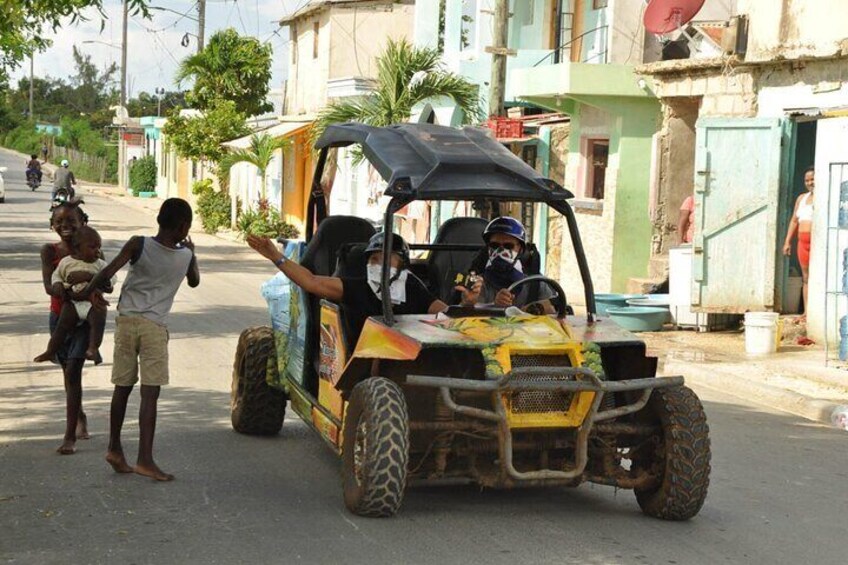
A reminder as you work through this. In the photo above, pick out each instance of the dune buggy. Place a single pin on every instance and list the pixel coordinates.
(484, 396)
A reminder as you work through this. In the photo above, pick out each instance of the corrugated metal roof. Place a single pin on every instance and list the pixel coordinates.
(284, 129)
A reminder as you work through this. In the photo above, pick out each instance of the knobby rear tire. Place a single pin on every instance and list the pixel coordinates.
(256, 407)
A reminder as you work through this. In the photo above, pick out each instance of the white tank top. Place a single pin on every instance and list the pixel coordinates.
(805, 209)
(153, 281)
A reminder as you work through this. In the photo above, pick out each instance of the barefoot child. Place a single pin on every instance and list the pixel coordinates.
(158, 266)
(65, 219)
(80, 266)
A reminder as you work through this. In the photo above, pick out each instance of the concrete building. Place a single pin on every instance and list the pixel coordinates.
(739, 129)
(333, 48)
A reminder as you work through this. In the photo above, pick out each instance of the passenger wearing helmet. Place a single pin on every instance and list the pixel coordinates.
(360, 298)
(63, 178)
(505, 240)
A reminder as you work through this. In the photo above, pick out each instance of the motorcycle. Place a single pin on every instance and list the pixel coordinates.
(63, 194)
(32, 179)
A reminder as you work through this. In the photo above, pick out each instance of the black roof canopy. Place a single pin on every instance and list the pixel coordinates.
(431, 162)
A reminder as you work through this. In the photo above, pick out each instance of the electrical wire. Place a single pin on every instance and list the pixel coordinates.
(182, 16)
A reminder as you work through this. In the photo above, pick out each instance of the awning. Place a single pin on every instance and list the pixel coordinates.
(818, 112)
(277, 131)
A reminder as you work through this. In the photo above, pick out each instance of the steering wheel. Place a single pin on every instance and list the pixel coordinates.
(559, 301)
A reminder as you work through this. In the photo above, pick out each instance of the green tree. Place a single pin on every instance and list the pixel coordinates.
(260, 154)
(146, 104)
(200, 136)
(231, 67)
(406, 76)
(25, 25)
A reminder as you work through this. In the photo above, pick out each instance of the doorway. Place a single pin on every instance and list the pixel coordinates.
(801, 156)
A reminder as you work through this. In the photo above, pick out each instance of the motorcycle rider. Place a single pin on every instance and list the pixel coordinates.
(34, 167)
(64, 179)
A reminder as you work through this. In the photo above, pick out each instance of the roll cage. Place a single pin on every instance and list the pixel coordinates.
(432, 163)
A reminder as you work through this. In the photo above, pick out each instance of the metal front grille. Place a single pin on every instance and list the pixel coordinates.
(524, 361)
(525, 402)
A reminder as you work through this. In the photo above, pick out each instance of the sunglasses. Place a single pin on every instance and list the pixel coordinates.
(508, 246)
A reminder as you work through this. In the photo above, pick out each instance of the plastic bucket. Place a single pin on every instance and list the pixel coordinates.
(762, 334)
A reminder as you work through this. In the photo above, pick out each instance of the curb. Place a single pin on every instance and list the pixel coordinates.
(713, 377)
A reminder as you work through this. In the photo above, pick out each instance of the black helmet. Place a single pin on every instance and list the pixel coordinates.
(508, 226)
(399, 246)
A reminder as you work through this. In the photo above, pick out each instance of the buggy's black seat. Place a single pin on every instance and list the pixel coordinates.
(443, 266)
(320, 258)
(351, 261)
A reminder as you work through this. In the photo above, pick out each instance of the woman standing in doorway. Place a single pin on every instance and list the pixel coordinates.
(802, 224)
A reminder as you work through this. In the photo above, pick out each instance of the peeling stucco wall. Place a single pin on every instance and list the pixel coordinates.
(791, 29)
(677, 169)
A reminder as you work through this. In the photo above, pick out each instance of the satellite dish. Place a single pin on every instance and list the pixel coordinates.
(664, 16)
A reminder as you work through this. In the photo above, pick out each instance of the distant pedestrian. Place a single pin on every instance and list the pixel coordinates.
(44, 151)
(158, 266)
(802, 225)
(65, 219)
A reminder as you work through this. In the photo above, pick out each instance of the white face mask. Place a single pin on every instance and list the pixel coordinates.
(398, 288)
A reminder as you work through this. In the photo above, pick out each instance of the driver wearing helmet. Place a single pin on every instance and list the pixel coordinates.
(506, 240)
(360, 297)
(64, 178)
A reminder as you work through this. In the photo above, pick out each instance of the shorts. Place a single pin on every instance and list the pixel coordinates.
(83, 307)
(76, 342)
(138, 341)
(804, 246)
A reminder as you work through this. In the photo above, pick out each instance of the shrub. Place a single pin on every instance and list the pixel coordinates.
(265, 221)
(25, 139)
(212, 205)
(143, 173)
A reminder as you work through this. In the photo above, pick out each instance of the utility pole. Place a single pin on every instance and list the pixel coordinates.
(31, 78)
(201, 23)
(124, 56)
(499, 51)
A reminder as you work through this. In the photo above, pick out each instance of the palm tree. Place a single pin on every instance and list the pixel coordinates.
(230, 67)
(406, 76)
(260, 154)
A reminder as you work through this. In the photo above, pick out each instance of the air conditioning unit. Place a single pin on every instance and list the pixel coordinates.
(734, 41)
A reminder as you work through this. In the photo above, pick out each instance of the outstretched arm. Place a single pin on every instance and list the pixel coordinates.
(130, 250)
(330, 288)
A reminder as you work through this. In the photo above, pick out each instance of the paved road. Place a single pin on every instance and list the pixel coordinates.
(777, 493)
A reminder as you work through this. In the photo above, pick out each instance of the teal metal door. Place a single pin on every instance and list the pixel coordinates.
(737, 186)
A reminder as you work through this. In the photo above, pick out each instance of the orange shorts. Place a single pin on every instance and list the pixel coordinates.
(804, 239)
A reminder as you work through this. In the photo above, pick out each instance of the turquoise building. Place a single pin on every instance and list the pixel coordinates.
(574, 59)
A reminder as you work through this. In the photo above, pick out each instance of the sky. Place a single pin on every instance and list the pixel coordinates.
(154, 48)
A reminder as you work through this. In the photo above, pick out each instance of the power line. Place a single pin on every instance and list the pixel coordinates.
(238, 11)
(182, 15)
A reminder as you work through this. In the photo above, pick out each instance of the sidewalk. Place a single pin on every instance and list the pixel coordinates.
(794, 380)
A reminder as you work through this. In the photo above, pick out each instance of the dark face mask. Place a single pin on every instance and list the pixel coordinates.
(502, 269)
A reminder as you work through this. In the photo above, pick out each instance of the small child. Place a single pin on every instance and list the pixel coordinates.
(73, 275)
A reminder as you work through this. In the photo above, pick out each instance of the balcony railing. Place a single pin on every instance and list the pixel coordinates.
(556, 53)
